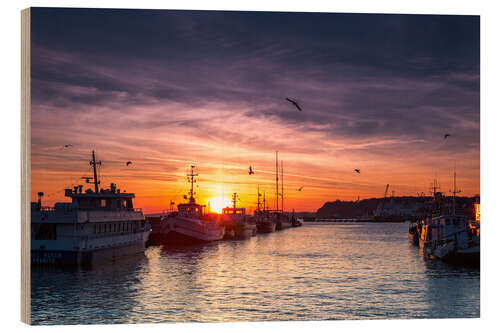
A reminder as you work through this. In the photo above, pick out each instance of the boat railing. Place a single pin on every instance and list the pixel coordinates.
(75, 209)
(47, 209)
(445, 240)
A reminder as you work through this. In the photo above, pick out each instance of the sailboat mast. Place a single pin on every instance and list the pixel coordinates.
(282, 190)
(277, 185)
(455, 191)
(258, 198)
(454, 188)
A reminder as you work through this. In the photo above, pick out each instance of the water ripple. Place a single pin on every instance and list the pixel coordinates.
(316, 272)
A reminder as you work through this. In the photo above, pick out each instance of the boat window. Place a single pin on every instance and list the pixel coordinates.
(129, 204)
(44, 231)
(103, 203)
(448, 222)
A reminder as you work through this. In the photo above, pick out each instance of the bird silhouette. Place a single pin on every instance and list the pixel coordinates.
(300, 188)
(128, 163)
(250, 171)
(357, 170)
(67, 146)
(294, 103)
(446, 136)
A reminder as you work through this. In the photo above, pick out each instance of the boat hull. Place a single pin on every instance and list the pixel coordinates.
(413, 238)
(449, 253)
(283, 223)
(469, 255)
(240, 231)
(89, 257)
(266, 227)
(174, 238)
(464, 258)
(179, 230)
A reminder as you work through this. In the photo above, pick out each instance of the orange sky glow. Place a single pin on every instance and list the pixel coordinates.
(222, 150)
(377, 93)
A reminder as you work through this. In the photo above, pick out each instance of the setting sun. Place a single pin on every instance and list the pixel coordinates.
(218, 203)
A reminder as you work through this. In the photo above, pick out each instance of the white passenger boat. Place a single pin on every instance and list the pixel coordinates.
(95, 226)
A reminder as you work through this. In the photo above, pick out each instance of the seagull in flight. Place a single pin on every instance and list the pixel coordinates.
(357, 170)
(128, 163)
(446, 136)
(294, 103)
(300, 188)
(250, 171)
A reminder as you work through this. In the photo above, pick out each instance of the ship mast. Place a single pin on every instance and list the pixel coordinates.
(192, 181)
(282, 190)
(94, 164)
(277, 185)
(455, 191)
(234, 198)
(258, 198)
(434, 187)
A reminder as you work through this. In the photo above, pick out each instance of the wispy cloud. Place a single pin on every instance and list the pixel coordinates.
(206, 91)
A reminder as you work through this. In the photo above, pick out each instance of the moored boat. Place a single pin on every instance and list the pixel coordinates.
(263, 218)
(265, 222)
(238, 225)
(192, 223)
(298, 222)
(283, 221)
(450, 237)
(95, 226)
(414, 232)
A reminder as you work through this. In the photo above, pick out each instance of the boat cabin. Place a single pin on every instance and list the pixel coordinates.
(105, 199)
(440, 227)
(233, 211)
(190, 209)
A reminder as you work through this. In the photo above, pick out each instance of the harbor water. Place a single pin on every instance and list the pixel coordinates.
(315, 272)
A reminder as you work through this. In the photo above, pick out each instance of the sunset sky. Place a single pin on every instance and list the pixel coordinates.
(166, 89)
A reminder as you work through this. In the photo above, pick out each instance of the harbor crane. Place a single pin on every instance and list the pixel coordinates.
(385, 196)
